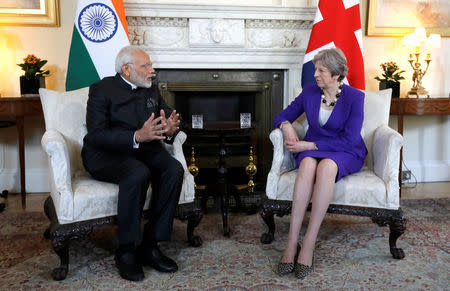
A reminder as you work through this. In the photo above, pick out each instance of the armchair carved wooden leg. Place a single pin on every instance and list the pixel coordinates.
(193, 222)
(60, 246)
(397, 227)
(267, 215)
(269, 209)
(62, 234)
(62, 250)
(193, 214)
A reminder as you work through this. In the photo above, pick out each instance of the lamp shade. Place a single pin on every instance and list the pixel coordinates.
(433, 41)
(410, 40)
(420, 34)
(416, 38)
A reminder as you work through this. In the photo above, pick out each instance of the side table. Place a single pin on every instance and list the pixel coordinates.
(417, 107)
(16, 108)
(219, 138)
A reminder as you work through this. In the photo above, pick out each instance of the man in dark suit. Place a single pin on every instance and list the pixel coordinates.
(126, 122)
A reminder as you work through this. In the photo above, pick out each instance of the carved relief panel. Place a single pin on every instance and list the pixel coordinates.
(216, 32)
(158, 32)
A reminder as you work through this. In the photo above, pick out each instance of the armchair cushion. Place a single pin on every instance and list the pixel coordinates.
(381, 101)
(65, 112)
(347, 191)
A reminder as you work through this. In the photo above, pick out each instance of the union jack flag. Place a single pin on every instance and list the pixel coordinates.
(337, 24)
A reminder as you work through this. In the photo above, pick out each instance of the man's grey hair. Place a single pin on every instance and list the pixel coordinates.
(334, 60)
(125, 56)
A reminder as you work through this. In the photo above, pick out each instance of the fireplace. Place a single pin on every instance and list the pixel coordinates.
(215, 106)
(220, 96)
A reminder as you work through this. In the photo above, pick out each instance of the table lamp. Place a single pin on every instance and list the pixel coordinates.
(419, 43)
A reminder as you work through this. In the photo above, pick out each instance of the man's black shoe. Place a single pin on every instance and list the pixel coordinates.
(152, 256)
(128, 265)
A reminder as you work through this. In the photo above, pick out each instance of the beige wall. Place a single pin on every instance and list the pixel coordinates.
(52, 44)
(49, 43)
(427, 149)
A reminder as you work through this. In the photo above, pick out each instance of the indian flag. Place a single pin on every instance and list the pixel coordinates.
(99, 32)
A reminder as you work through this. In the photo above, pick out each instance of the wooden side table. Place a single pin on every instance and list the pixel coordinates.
(417, 107)
(17, 108)
(218, 139)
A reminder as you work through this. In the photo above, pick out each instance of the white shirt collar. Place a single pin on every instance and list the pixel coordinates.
(133, 86)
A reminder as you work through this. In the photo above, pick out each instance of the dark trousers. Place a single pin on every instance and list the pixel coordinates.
(133, 174)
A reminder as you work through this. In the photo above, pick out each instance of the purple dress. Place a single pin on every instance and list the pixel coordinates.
(340, 137)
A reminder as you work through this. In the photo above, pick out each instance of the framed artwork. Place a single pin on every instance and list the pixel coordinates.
(400, 17)
(29, 12)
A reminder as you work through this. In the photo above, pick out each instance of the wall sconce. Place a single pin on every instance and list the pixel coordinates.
(419, 43)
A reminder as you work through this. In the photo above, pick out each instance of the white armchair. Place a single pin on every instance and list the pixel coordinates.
(373, 191)
(78, 203)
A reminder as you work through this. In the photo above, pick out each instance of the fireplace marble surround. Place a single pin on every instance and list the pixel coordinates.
(223, 37)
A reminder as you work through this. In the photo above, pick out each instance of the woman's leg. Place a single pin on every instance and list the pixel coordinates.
(300, 200)
(321, 198)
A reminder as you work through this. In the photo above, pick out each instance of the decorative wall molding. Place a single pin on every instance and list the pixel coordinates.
(157, 21)
(279, 24)
(144, 8)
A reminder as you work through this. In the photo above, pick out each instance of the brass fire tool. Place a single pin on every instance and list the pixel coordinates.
(193, 169)
(251, 170)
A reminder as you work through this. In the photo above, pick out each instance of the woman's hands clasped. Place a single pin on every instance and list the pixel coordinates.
(291, 141)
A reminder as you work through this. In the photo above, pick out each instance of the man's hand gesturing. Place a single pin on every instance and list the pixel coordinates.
(171, 123)
(153, 129)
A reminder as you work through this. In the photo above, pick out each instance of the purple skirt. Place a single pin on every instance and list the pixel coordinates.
(347, 163)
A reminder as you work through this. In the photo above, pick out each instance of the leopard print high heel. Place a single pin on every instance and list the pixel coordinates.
(302, 271)
(287, 268)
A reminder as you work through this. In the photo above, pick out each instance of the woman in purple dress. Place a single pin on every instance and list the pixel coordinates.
(332, 148)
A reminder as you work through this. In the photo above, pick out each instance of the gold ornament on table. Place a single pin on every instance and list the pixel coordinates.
(193, 169)
(251, 170)
(417, 89)
(420, 43)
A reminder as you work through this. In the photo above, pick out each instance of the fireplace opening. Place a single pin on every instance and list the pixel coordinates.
(221, 96)
(215, 106)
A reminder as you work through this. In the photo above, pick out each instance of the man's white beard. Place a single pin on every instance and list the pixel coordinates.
(140, 81)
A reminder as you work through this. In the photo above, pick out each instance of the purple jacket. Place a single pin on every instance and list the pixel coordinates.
(340, 137)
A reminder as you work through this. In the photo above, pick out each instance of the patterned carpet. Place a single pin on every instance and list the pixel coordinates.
(352, 254)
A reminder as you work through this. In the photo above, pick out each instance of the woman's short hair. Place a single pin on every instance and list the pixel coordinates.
(334, 60)
(125, 56)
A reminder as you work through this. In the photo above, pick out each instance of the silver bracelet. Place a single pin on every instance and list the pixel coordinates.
(283, 122)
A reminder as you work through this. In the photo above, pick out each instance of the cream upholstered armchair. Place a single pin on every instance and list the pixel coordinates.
(78, 203)
(373, 191)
